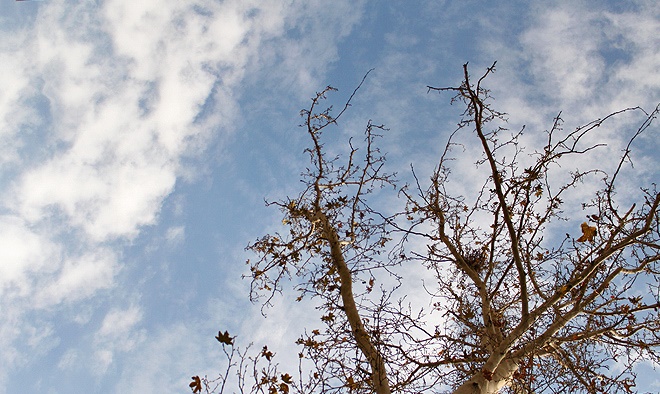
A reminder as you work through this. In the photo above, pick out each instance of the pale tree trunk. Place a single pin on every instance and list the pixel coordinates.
(478, 384)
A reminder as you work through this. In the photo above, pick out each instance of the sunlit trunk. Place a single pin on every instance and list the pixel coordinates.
(478, 384)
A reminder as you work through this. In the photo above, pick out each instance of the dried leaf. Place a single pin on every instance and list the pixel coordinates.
(286, 378)
(330, 317)
(267, 353)
(196, 384)
(588, 233)
(371, 285)
(538, 191)
(352, 384)
(224, 338)
(628, 385)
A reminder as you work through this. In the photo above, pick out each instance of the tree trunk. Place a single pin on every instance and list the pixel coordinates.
(478, 384)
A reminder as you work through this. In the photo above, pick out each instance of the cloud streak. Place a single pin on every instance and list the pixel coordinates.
(98, 109)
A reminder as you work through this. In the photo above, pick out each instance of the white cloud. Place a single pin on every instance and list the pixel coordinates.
(68, 359)
(16, 114)
(22, 253)
(164, 363)
(118, 322)
(119, 332)
(586, 59)
(563, 53)
(125, 88)
(78, 278)
(98, 108)
(175, 235)
(103, 358)
(639, 77)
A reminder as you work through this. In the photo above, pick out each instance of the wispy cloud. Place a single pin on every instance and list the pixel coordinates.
(100, 104)
(118, 332)
(592, 59)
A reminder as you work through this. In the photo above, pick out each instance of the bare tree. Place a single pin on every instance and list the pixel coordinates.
(511, 306)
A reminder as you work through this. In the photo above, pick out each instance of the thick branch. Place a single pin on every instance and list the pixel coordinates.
(362, 338)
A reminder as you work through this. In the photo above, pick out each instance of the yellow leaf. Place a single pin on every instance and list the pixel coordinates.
(588, 233)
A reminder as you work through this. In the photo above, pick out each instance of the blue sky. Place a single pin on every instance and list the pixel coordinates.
(140, 138)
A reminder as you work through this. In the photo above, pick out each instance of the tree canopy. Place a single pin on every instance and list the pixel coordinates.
(511, 303)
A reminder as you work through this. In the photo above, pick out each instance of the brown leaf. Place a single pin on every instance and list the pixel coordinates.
(267, 353)
(328, 318)
(628, 385)
(352, 384)
(284, 388)
(224, 338)
(538, 191)
(588, 233)
(286, 378)
(196, 384)
(371, 285)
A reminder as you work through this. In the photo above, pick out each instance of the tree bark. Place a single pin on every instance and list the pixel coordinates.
(478, 384)
(379, 377)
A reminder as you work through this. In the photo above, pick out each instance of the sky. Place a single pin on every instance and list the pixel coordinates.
(139, 140)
